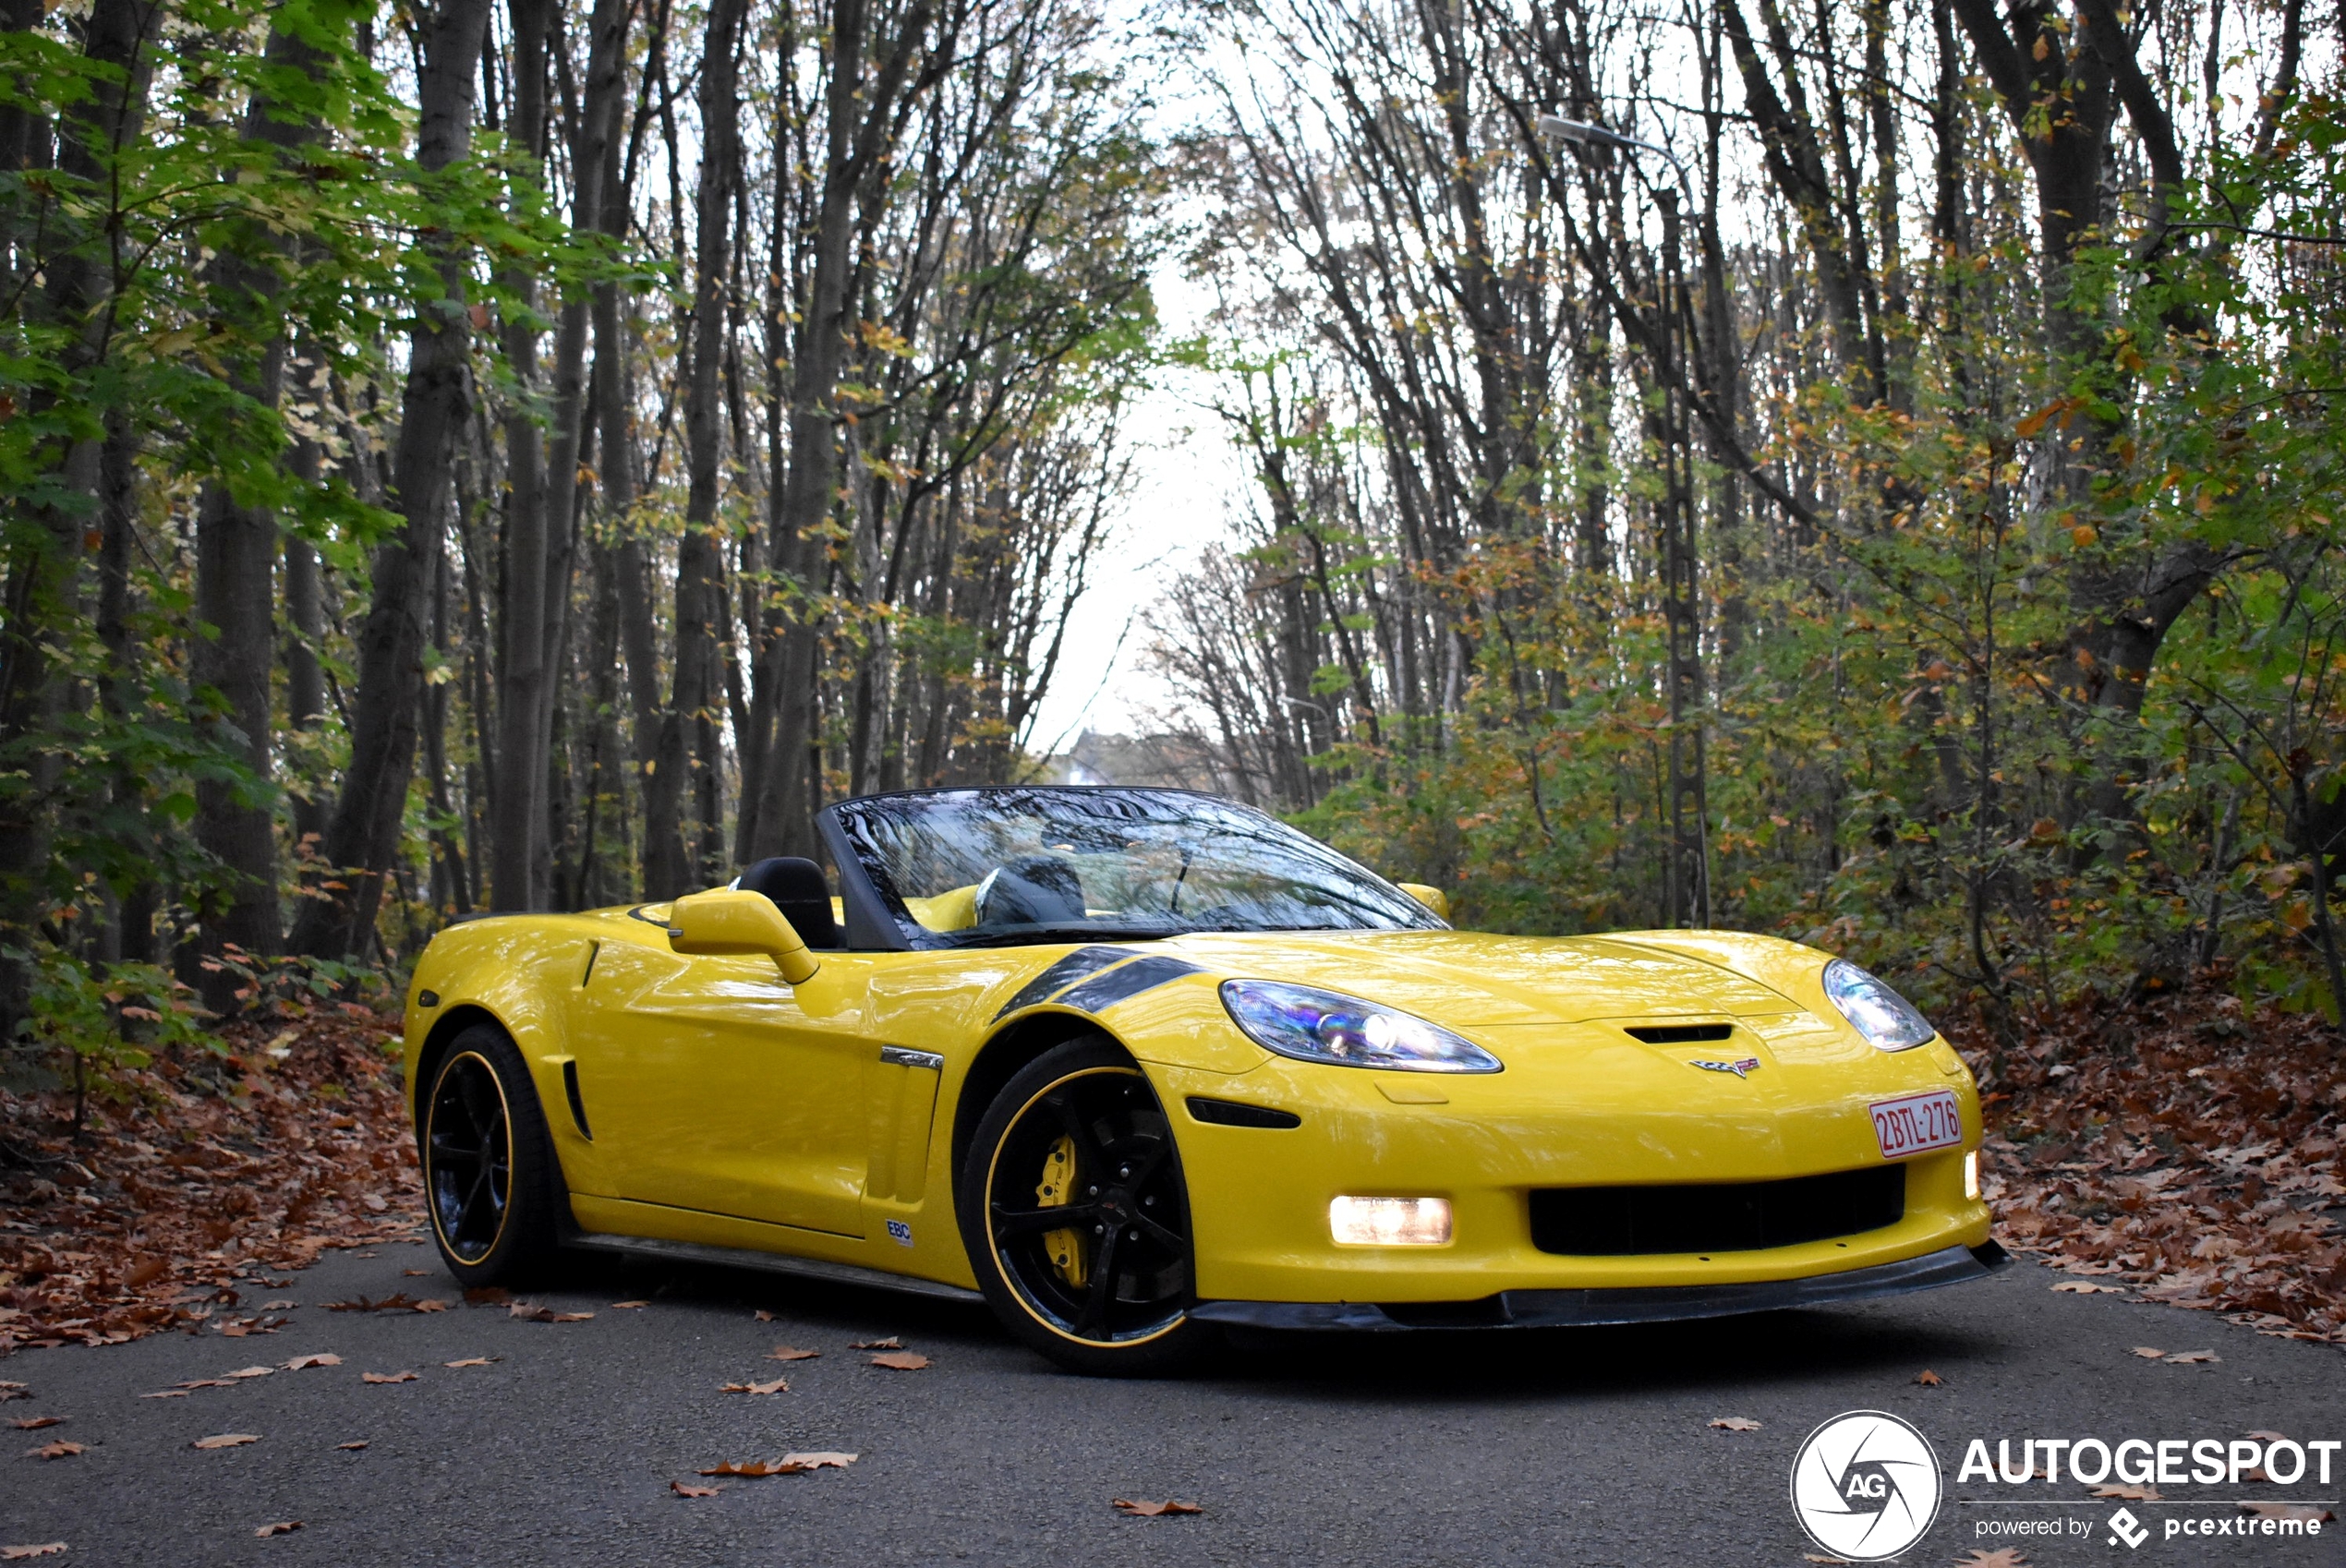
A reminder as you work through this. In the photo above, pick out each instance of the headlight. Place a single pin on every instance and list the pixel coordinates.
(1326, 1026)
(1880, 1014)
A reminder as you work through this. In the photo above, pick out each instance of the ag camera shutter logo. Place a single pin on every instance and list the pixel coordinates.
(1865, 1486)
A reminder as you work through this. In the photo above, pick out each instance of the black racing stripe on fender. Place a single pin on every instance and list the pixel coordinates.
(1129, 980)
(1063, 975)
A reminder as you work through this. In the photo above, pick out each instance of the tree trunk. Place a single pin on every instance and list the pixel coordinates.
(692, 717)
(861, 107)
(44, 555)
(363, 838)
(518, 811)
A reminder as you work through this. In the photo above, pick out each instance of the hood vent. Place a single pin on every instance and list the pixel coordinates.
(1680, 1034)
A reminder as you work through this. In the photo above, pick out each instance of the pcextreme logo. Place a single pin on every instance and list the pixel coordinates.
(1865, 1486)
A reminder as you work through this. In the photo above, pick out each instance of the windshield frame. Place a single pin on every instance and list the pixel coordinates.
(877, 918)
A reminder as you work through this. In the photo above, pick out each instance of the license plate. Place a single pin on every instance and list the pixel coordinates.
(1914, 1123)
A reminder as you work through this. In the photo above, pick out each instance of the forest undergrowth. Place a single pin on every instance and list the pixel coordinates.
(195, 1183)
(2180, 1148)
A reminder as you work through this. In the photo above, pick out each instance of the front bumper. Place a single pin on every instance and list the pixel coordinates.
(1566, 1308)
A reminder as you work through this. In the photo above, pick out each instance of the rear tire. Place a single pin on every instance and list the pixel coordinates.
(1107, 1292)
(491, 1187)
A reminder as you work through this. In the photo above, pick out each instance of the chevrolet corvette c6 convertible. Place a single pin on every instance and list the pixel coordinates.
(1132, 1062)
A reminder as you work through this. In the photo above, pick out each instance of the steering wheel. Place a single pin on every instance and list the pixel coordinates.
(1030, 890)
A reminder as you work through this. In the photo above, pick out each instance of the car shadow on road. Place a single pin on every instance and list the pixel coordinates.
(1499, 1364)
(1490, 1365)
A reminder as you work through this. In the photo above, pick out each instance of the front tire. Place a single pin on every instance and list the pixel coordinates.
(491, 1184)
(1076, 1218)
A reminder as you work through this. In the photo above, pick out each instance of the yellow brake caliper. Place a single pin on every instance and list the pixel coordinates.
(1064, 1247)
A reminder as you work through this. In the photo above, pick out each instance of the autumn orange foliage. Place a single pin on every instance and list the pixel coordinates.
(200, 1178)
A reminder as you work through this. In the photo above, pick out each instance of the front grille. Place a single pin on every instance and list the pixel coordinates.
(1608, 1221)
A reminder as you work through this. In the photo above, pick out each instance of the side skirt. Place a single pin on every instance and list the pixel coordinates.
(772, 1263)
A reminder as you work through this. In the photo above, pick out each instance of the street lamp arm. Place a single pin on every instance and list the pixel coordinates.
(1588, 135)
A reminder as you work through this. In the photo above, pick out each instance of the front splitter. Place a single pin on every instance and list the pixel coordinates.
(1568, 1308)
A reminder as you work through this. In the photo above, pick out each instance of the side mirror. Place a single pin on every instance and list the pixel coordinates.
(728, 920)
(1433, 897)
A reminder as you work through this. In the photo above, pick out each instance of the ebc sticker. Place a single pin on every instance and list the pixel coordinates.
(1063, 975)
(899, 1232)
(1126, 981)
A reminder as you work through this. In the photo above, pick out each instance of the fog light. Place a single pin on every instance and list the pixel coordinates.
(1390, 1221)
(1971, 1174)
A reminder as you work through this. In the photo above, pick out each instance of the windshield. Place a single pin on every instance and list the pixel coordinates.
(999, 865)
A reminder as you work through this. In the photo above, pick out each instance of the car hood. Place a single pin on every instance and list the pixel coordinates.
(1481, 981)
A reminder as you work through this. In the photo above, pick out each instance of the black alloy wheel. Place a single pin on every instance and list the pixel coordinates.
(489, 1179)
(1080, 1222)
(470, 1139)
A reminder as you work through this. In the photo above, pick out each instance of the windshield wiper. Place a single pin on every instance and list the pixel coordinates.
(1065, 931)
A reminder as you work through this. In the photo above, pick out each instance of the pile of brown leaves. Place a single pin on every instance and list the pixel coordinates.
(176, 1202)
(2181, 1146)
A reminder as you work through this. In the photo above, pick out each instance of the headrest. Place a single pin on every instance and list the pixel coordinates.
(798, 890)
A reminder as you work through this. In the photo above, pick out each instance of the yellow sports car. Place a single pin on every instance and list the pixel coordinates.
(1135, 1062)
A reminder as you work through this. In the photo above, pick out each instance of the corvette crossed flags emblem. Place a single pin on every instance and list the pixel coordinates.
(1744, 1068)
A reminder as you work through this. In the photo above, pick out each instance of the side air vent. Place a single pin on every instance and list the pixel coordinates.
(1680, 1034)
(1229, 1112)
(577, 1102)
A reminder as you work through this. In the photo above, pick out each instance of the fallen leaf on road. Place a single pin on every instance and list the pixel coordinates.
(58, 1450)
(2288, 1510)
(2002, 1557)
(901, 1360)
(2132, 1494)
(759, 1467)
(18, 1553)
(386, 1377)
(2267, 1437)
(627, 1305)
(243, 1372)
(2187, 1358)
(352, 1447)
(1736, 1424)
(2147, 1353)
(1813, 1557)
(764, 1316)
(2256, 1473)
(34, 1423)
(890, 1342)
(1151, 1510)
(168, 1393)
(283, 1527)
(819, 1461)
(207, 1382)
(681, 1489)
(487, 1296)
(530, 1311)
(146, 1272)
(2087, 1287)
(228, 1440)
(1929, 1379)
(473, 1361)
(777, 1386)
(323, 1358)
(790, 1353)
(395, 1303)
(279, 1306)
(414, 1273)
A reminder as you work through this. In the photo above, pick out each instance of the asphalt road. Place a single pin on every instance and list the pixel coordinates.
(1568, 1447)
